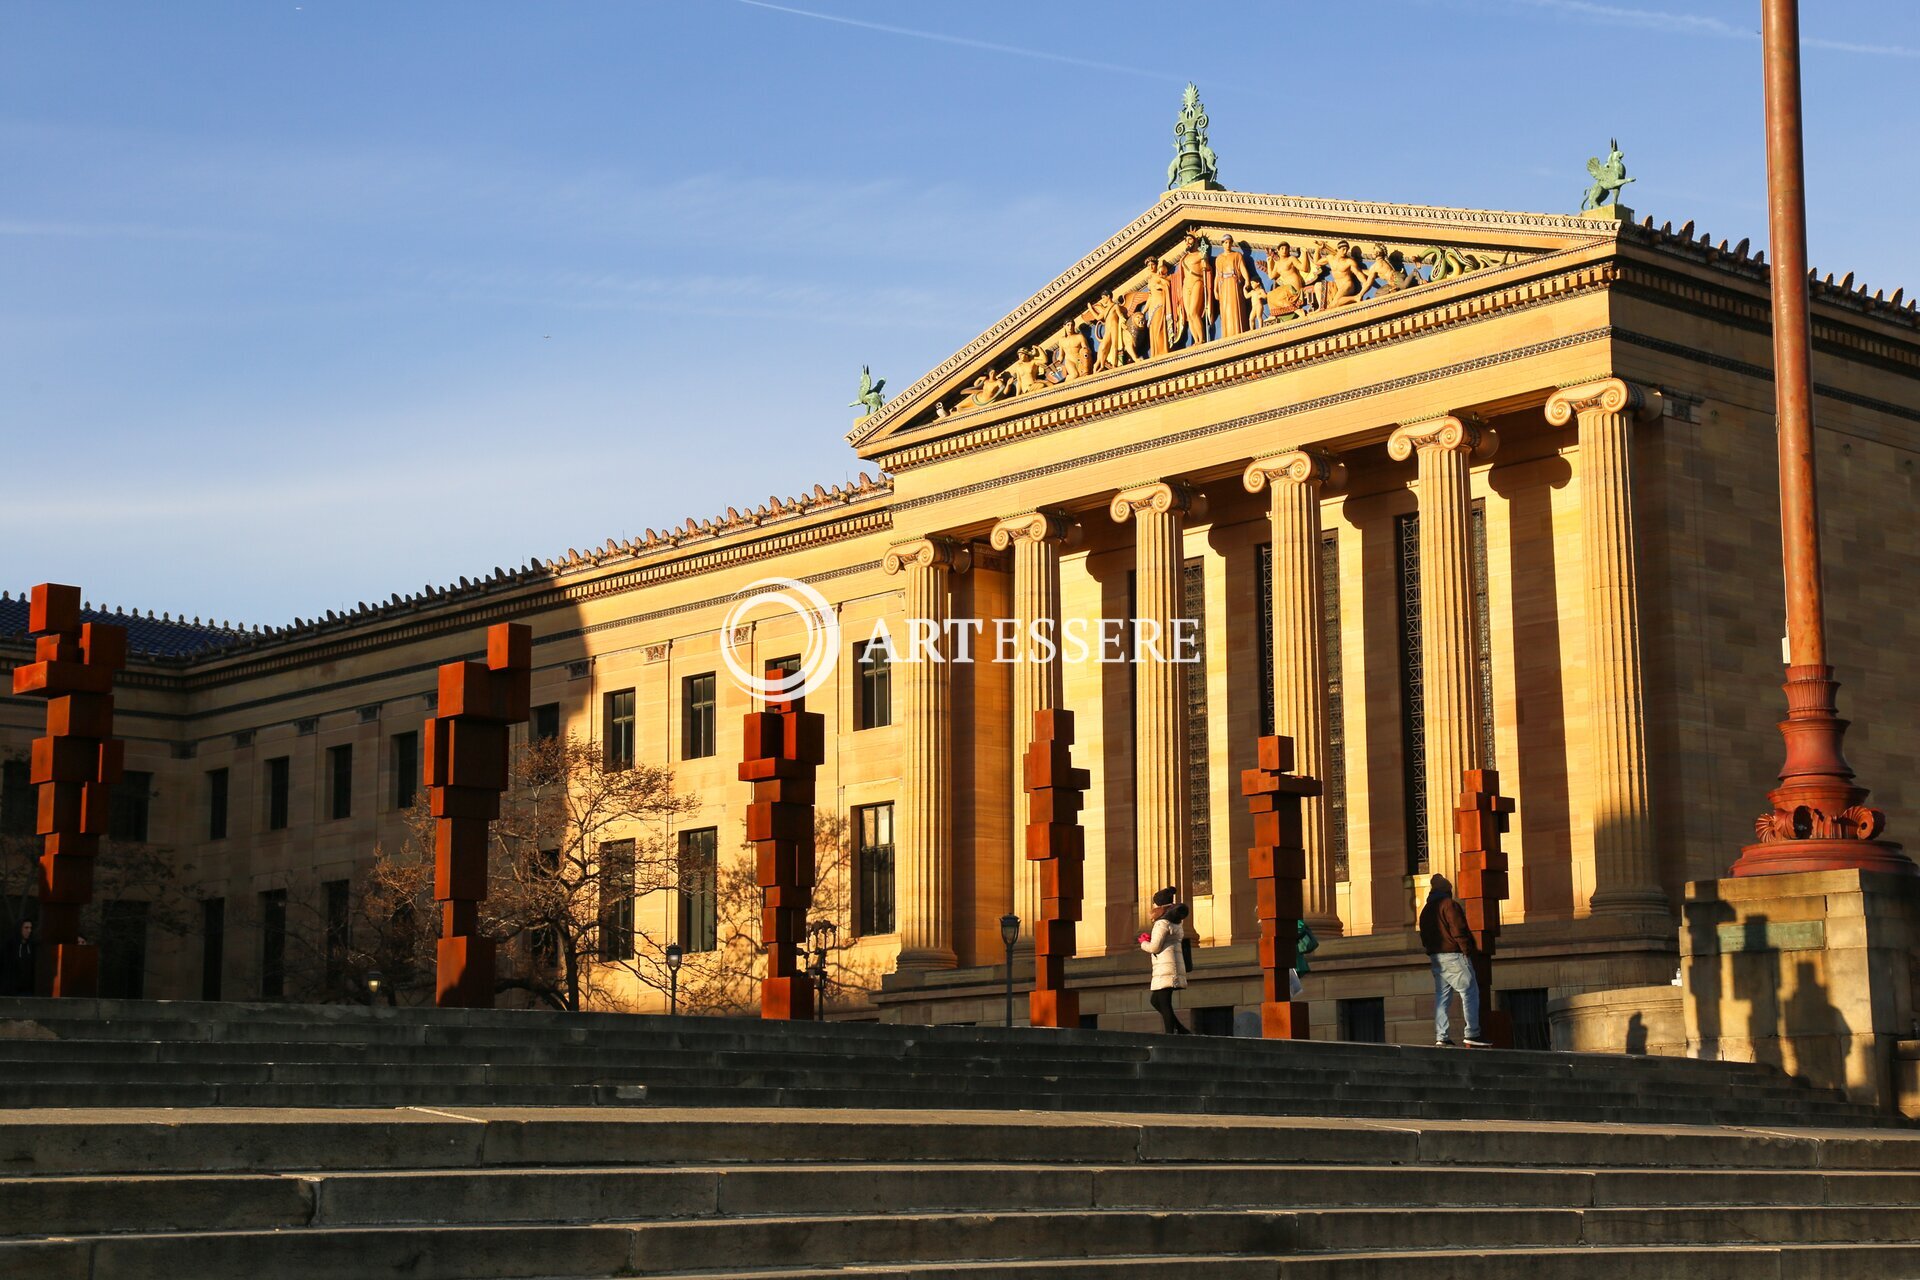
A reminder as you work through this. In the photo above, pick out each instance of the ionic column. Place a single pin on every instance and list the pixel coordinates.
(924, 835)
(1296, 481)
(1626, 872)
(1449, 667)
(1160, 693)
(1036, 539)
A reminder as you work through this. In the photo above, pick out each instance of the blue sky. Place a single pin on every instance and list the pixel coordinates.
(303, 303)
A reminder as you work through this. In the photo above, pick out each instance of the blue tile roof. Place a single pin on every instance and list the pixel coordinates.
(151, 636)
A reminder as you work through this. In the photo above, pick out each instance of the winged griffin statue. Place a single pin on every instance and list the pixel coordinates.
(869, 394)
(1608, 178)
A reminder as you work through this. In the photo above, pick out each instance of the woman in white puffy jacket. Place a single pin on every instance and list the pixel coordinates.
(1169, 964)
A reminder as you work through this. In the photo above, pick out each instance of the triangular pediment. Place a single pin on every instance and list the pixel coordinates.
(1295, 262)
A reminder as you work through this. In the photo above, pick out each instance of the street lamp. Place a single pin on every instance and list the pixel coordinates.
(374, 982)
(1009, 934)
(674, 956)
(823, 933)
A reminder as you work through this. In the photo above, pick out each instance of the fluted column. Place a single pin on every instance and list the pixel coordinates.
(1035, 539)
(1626, 872)
(1161, 829)
(1449, 667)
(1296, 482)
(924, 834)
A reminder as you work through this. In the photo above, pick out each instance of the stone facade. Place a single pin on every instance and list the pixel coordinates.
(1606, 586)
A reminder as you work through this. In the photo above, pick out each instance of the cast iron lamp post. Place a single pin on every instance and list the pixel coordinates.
(374, 982)
(674, 955)
(1819, 819)
(1009, 934)
(823, 933)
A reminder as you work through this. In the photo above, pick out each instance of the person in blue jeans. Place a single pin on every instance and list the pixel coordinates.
(1450, 945)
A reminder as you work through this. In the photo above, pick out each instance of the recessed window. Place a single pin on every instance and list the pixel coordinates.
(699, 914)
(620, 729)
(340, 781)
(129, 805)
(544, 723)
(279, 780)
(616, 900)
(873, 860)
(872, 687)
(273, 944)
(697, 740)
(218, 785)
(405, 749)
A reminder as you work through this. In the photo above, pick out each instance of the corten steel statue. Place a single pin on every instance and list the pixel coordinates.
(781, 748)
(1054, 840)
(1277, 865)
(465, 768)
(1820, 819)
(73, 766)
(1481, 819)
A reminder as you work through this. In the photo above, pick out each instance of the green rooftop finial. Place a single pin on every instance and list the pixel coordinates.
(1608, 178)
(1193, 159)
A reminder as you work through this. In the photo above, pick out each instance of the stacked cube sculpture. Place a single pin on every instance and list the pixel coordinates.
(465, 767)
(1277, 864)
(1055, 841)
(1481, 819)
(73, 766)
(782, 746)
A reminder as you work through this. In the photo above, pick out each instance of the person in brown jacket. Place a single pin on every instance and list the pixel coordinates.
(1448, 938)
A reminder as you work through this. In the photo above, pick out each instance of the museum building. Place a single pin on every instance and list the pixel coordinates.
(1435, 489)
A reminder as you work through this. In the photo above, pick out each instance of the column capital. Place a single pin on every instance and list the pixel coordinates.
(1609, 395)
(936, 551)
(1034, 526)
(1301, 466)
(1162, 496)
(1462, 434)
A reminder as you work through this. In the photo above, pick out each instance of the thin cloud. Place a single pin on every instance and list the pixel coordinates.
(963, 41)
(1702, 25)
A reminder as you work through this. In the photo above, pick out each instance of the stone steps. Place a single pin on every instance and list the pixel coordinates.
(548, 1194)
(149, 1053)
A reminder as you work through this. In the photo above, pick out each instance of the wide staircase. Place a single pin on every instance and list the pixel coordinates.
(81, 1053)
(776, 1194)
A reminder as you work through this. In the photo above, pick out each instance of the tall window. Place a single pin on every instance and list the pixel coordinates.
(1193, 605)
(873, 686)
(339, 930)
(1413, 735)
(123, 949)
(1336, 762)
(616, 900)
(697, 717)
(405, 749)
(545, 722)
(873, 859)
(213, 945)
(17, 803)
(129, 805)
(273, 944)
(620, 729)
(340, 781)
(279, 778)
(699, 884)
(543, 941)
(1336, 765)
(217, 787)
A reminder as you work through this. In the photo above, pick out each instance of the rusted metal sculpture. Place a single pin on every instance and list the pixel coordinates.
(465, 770)
(1277, 864)
(73, 766)
(1054, 840)
(1819, 819)
(782, 746)
(1481, 819)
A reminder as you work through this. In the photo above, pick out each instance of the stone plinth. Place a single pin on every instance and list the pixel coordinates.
(1808, 972)
(1649, 1020)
